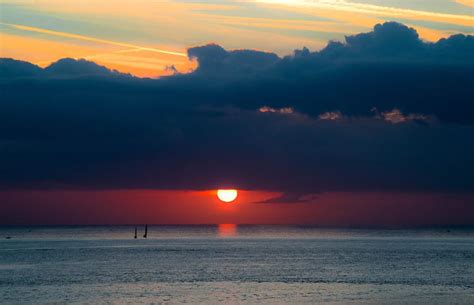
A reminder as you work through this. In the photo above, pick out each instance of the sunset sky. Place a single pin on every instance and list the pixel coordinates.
(330, 113)
(144, 37)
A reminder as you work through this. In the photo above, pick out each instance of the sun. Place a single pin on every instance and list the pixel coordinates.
(227, 195)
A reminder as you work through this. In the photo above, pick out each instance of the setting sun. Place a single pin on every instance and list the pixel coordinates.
(227, 195)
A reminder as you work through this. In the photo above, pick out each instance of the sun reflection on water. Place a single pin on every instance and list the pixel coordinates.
(227, 230)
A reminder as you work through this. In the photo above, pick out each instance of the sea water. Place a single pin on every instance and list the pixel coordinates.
(228, 264)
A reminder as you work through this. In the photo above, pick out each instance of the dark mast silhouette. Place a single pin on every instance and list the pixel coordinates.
(146, 231)
(135, 232)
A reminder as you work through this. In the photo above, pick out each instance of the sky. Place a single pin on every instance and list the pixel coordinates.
(145, 37)
(329, 113)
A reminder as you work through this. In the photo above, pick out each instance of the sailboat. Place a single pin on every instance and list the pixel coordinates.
(135, 232)
(146, 231)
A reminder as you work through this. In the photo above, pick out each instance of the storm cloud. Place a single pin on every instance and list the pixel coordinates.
(382, 111)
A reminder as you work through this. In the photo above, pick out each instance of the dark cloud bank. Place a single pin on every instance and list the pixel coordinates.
(383, 111)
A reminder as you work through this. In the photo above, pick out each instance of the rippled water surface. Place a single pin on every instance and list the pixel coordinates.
(230, 264)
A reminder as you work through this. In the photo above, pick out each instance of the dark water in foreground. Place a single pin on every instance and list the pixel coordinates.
(235, 265)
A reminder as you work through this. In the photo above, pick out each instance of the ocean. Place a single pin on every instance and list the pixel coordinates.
(229, 264)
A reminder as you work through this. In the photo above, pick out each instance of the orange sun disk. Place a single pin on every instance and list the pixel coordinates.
(228, 195)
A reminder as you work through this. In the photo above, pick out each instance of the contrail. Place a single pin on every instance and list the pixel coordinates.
(87, 38)
(368, 8)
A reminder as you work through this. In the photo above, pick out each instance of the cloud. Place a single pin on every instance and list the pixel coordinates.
(285, 110)
(215, 61)
(299, 124)
(387, 68)
(10, 68)
(331, 116)
(66, 67)
(291, 198)
(75, 68)
(395, 116)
